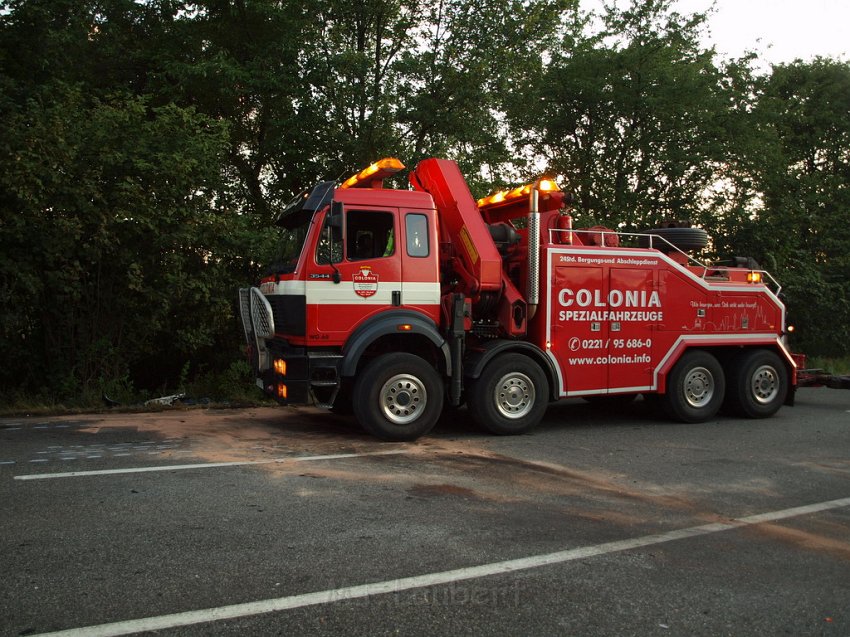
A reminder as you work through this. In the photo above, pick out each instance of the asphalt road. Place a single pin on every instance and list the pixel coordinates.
(290, 521)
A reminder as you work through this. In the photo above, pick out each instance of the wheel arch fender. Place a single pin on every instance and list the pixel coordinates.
(723, 350)
(478, 360)
(385, 324)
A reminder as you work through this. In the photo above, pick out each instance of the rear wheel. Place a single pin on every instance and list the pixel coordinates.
(758, 384)
(510, 396)
(695, 388)
(398, 397)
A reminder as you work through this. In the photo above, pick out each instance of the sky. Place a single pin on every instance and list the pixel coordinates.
(779, 30)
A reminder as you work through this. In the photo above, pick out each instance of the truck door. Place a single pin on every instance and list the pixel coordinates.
(420, 287)
(369, 267)
(633, 307)
(579, 334)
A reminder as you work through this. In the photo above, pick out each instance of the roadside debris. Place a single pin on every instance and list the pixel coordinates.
(820, 378)
(162, 401)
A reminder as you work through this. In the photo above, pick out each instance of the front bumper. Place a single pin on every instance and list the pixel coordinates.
(290, 375)
(288, 378)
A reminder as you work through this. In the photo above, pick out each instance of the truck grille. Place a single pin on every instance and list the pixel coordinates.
(261, 315)
(290, 313)
(258, 324)
(245, 313)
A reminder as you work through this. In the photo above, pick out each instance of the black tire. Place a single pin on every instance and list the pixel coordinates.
(398, 397)
(695, 388)
(757, 384)
(510, 396)
(684, 239)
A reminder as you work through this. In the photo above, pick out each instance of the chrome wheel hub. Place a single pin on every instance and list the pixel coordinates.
(765, 384)
(699, 387)
(403, 399)
(514, 395)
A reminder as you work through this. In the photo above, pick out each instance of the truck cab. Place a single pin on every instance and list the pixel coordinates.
(362, 271)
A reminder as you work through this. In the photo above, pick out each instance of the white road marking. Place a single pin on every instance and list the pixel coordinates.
(189, 618)
(207, 465)
(7, 462)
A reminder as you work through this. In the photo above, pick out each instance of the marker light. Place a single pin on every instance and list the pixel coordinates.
(281, 391)
(280, 366)
(404, 327)
(374, 172)
(507, 196)
(754, 277)
(789, 329)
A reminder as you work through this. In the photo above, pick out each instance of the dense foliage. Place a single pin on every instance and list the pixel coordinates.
(146, 146)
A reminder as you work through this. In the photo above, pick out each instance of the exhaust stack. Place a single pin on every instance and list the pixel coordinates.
(533, 287)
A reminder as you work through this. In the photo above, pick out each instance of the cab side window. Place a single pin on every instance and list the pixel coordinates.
(416, 229)
(369, 235)
(329, 247)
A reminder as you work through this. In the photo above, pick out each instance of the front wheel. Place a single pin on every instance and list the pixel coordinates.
(510, 397)
(398, 397)
(695, 388)
(758, 384)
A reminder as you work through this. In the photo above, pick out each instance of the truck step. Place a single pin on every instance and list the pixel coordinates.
(325, 355)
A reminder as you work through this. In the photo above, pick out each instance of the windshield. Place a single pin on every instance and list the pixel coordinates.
(292, 241)
(296, 219)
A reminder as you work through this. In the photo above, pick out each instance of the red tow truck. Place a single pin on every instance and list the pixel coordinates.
(396, 303)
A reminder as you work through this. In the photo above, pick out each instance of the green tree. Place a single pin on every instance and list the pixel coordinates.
(107, 233)
(471, 61)
(116, 249)
(149, 145)
(801, 222)
(419, 79)
(634, 116)
(242, 62)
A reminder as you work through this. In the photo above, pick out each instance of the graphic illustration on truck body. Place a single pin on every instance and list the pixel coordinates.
(395, 303)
